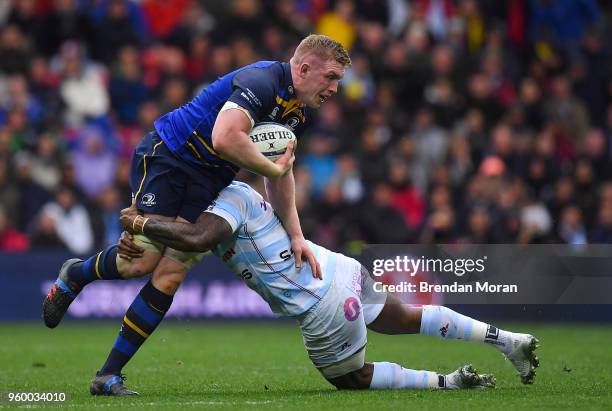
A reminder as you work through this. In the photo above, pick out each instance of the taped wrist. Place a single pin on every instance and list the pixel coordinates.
(138, 224)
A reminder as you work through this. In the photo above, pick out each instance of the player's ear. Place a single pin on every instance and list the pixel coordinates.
(304, 68)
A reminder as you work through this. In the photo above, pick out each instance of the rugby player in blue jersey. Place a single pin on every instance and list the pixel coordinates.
(333, 313)
(182, 165)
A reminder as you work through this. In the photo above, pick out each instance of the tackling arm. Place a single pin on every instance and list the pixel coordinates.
(208, 230)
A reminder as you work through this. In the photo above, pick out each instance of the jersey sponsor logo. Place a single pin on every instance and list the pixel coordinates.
(293, 122)
(228, 254)
(246, 274)
(244, 96)
(285, 255)
(351, 309)
(148, 200)
(444, 329)
(274, 113)
(492, 333)
(345, 345)
(253, 97)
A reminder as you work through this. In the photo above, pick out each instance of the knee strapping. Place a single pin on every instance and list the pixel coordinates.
(188, 258)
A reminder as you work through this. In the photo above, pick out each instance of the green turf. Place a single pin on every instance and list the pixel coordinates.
(188, 365)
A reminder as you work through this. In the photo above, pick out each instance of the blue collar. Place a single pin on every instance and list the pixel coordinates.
(287, 79)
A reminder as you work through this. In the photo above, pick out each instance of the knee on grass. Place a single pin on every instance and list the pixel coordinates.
(354, 380)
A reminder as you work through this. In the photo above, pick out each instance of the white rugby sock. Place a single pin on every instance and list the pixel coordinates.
(388, 375)
(442, 322)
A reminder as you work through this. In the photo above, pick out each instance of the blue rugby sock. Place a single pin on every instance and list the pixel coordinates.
(100, 266)
(141, 319)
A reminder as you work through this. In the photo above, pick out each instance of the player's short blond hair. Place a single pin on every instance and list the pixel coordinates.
(324, 47)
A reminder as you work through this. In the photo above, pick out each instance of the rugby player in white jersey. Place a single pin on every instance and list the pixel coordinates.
(335, 312)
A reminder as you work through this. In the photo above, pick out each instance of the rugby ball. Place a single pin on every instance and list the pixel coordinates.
(271, 139)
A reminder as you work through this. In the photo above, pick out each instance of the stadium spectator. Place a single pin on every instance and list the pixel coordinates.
(14, 50)
(24, 16)
(32, 195)
(9, 194)
(116, 26)
(94, 163)
(443, 91)
(11, 240)
(65, 222)
(348, 179)
(320, 163)
(83, 86)
(108, 211)
(562, 21)
(65, 22)
(127, 89)
(480, 227)
(339, 23)
(437, 15)
(45, 162)
(571, 228)
(379, 221)
(430, 143)
(162, 16)
(17, 96)
(602, 233)
(405, 198)
(244, 16)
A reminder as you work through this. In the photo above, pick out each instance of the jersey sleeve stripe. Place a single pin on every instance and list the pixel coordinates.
(193, 149)
(206, 146)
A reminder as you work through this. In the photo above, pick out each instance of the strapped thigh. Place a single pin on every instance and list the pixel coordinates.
(188, 258)
(148, 244)
(353, 363)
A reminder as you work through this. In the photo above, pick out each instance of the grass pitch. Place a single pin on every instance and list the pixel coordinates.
(193, 365)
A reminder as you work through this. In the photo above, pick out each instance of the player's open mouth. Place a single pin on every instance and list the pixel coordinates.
(322, 98)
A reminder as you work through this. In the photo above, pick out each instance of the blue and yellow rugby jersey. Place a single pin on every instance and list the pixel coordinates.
(264, 88)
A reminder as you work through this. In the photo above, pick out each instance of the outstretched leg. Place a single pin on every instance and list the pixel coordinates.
(75, 274)
(442, 322)
(387, 375)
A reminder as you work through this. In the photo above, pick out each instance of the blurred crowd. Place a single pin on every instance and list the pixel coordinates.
(477, 121)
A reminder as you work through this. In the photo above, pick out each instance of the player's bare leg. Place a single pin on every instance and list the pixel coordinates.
(139, 322)
(142, 318)
(442, 322)
(104, 265)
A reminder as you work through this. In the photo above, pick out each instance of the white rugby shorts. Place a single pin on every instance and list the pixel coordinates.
(335, 327)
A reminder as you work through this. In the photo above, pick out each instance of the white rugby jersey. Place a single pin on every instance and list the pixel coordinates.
(260, 253)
